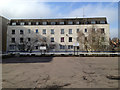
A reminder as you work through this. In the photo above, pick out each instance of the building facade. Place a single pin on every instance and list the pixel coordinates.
(53, 34)
(3, 34)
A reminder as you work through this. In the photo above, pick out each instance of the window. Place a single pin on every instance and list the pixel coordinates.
(36, 30)
(77, 30)
(29, 31)
(70, 22)
(12, 47)
(62, 46)
(13, 40)
(53, 23)
(44, 23)
(85, 30)
(52, 39)
(77, 22)
(62, 31)
(37, 23)
(22, 23)
(29, 23)
(86, 22)
(70, 39)
(92, 22)
(85, 38)
(36, 47)
(62, 39)
(44, 31)
(14, 23)
(21, 32)
(70, 46)
(21, 40)
(52, 31)
(44, 39)
(29, 39)
(102, 22)
(102, 30)
(13, 31)
(70, 31)
(61, 23)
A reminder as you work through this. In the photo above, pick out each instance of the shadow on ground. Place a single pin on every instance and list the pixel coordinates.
(27, 60)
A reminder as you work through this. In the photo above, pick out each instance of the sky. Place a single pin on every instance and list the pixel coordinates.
(34, 9)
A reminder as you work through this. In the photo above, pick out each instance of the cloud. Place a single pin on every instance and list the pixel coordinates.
(99, 10)
(36, 9)
(25, 9)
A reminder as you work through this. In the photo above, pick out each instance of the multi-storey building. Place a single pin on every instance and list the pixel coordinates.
(3, 34)
(52, 34)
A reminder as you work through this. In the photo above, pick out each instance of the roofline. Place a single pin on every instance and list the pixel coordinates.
(62, 18)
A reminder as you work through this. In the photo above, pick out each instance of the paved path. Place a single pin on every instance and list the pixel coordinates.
(66, 72)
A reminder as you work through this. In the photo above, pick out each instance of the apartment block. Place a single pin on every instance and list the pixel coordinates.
(3, 34)
(54, 34)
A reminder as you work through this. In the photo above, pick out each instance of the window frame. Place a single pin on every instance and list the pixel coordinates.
(70, 22)
(44, 23)
(78, 30)
(21, 41)
(62, 23)
(62, 31)
(52, 39)
(93, 22)
(44, 31)
(52, 31)
(86, 30)
(29, 31)
(29, 39)
(13, 23)
(22, 23)
(36, 31)
(62, 39)
(71, 31)
(53, 23)
(13, 30)
(12, 40)
(21, 32)
(71, 39)
(77, 22)
(102, 22)
(70, 46)
(14, 46)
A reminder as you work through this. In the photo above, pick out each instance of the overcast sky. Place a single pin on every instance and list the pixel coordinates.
(35, 9)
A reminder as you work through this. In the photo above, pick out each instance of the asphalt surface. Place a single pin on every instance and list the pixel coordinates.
(61, 72)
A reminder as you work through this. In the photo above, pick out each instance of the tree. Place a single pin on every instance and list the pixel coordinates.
(92, 40)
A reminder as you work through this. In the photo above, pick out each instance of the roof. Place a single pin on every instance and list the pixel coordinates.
(57, 20)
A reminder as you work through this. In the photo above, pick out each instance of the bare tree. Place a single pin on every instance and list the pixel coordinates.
(94, 41)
